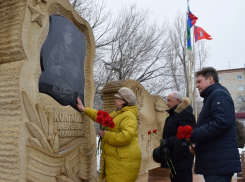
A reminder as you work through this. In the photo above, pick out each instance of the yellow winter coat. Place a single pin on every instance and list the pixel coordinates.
(120, 149)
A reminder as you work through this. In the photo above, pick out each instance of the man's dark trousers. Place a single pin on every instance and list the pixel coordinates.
(221, 178)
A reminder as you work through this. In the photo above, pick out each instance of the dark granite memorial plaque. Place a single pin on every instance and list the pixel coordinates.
(62, 62)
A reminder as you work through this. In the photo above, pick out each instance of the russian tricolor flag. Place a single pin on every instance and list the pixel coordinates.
(190, 22)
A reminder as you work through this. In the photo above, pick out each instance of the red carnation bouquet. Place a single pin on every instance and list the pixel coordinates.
(184, 132)
(168, 160)
(105, 120)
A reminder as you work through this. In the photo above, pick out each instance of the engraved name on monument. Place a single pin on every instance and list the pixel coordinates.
(69, 124)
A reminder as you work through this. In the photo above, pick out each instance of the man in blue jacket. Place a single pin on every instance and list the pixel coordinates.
(217, 156)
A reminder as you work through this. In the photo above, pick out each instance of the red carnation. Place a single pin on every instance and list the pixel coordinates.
(149, 132)
(105, 120)
(184, 132)
(154, 131)
(111, 125)
(99, 119)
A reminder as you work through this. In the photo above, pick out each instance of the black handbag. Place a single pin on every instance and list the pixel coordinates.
(156, 154)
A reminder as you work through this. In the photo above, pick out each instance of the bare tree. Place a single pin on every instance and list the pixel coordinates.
(177, 45)
(240, 102)
(240, 134)
(138, 49)
(94, 11)
(182, 60)
(201, 54)
(130, 47)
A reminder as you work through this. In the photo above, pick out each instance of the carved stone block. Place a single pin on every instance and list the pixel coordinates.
(43, 137)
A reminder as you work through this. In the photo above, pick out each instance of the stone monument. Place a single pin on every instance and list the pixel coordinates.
(46, 62)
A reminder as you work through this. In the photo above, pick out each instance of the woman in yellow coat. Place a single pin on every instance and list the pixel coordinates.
(120, 149)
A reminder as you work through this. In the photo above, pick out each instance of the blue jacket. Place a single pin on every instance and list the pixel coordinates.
(215, 135)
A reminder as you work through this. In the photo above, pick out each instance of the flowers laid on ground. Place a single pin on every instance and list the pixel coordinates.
(168, 160)
(104, 120)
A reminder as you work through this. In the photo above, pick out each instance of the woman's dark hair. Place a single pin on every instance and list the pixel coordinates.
(206, 72)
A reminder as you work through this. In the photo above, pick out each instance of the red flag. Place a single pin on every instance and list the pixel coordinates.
(199, 34)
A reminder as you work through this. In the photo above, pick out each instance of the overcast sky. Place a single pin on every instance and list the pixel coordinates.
(224, 20)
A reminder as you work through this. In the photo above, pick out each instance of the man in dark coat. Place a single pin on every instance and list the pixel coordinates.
(180, 114)
(217, 156)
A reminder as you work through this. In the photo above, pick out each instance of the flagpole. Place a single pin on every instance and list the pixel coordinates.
(192, 61)
(189, 67)
(188, 55)
(194, 71)
(189, 62)
(190, 76)
(191, 93)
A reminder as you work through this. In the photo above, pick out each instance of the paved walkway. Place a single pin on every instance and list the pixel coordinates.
(196, 178)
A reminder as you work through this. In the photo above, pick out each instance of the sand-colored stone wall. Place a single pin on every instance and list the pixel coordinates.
(41, 140)
(12, 14)
(10, 122)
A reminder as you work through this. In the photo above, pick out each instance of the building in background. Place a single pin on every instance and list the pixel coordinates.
(240, 116)
(234, 81)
